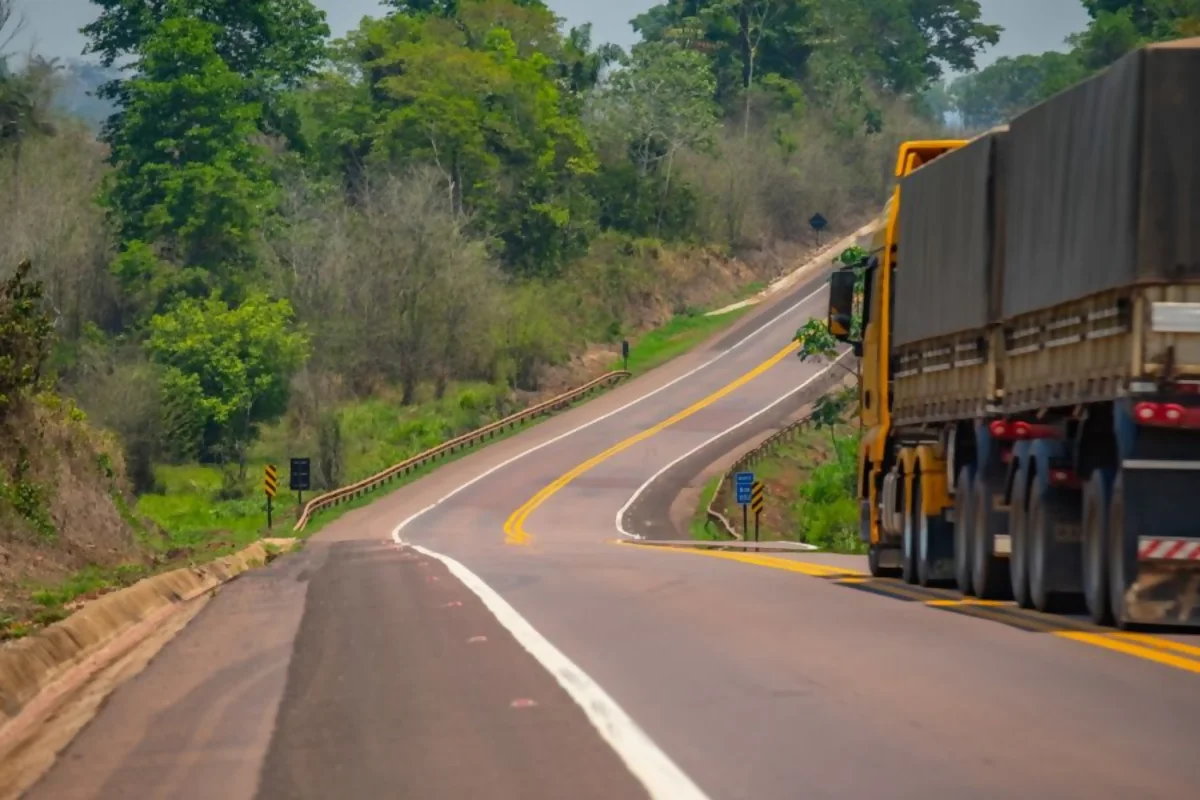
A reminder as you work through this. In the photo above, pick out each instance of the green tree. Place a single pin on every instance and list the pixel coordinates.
(25, 336)
(270, 43)
(187, 178)
(1011, 85)
(498, 126)
(662, 103)
(900, 45)
(228, 367)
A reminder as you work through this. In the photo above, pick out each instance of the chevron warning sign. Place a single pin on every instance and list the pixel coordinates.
(270, 480)
(757, 499)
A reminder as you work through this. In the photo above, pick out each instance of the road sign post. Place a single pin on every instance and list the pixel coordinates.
(757, 501)
(818, 223)
(299, 477)
(743, 482)
(625, 353)
(270, 487)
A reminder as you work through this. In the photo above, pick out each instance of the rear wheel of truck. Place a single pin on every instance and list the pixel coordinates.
(1122, 554)
(1018, 560)
(1095, 548)
(912, 523)
(935, 543)
(875, 562)
(988, 576)
(963, 520)
(1054, 573)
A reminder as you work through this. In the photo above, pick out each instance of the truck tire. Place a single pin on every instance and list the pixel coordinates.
(1122, 553)
(911, 531)
(988, 576)
(1018, 560)
(963, 520)
(1054, 570)
(1095, 548)
(875, 563)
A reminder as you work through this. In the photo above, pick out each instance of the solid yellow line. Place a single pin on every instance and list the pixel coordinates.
(1161, 644)
(514, 530)
(988, 610)
(774, 562)
(968, 601)
(1111, 642)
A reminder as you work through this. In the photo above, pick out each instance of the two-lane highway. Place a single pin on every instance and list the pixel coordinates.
(485, 633)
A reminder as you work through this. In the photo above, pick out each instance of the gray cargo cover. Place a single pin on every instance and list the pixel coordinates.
(947, 245)
(1103, 187)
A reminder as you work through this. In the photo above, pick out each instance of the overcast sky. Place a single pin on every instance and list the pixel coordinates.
(1031, 26)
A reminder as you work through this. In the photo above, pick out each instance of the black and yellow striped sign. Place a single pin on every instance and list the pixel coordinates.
(757, 499)
(270, 480)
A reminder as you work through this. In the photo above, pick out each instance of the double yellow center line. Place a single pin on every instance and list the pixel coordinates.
(1144, 646)
(514, 526)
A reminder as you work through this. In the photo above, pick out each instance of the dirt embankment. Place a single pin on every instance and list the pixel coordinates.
(61, 499)
(683, 280)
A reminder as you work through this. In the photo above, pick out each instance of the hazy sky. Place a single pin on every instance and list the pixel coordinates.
(1031, 26)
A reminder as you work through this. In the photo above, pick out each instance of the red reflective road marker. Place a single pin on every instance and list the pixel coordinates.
(523, 702)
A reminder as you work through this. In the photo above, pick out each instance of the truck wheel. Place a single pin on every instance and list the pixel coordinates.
(1018, 560)
(1053, 567)
(1095, 548)
(875, 563)
(912, 524)
(1122, 554)
(963, 521)
(988, 577)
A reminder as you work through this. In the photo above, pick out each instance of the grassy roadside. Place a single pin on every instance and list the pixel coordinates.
(191, 518)
(810, 491)
(680, 334)
(701, 528)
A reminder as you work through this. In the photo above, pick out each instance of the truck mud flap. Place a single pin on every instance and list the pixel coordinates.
(1164, 594)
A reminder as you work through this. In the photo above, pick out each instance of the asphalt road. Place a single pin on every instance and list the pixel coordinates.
(484, 633)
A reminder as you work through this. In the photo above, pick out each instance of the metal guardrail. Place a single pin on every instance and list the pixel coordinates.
(354, 490)
(751, 457)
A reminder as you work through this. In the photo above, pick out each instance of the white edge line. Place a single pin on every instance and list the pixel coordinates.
(649, 764)
(614, 412)
(620, 521)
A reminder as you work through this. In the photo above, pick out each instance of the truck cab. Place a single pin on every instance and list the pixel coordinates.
(873, 344)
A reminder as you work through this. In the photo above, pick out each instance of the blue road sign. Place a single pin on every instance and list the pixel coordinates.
(743, 483)
(818, 222)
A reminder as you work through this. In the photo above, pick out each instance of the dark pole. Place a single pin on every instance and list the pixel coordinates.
(268, 512)
(746, 522)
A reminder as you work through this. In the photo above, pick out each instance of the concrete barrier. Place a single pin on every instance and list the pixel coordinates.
(29, 665)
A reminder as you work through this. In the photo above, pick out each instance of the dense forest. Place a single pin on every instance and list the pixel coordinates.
(1011, 85)
(277, 243)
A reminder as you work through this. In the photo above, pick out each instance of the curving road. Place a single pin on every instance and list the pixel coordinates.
(485, 633)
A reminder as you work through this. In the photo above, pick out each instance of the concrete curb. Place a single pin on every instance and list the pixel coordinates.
(29, 665)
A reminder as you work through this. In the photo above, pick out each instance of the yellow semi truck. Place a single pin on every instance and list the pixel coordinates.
(1030, 340)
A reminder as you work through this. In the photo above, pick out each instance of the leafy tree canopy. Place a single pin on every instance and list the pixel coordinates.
(901, 45)
(187, 177)
(277, 42)
(227, 367)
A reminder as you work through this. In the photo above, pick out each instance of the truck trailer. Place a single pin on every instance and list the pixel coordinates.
(1030, 347)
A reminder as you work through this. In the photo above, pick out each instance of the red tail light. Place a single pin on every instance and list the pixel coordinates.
(999, 428)
(1167, 415)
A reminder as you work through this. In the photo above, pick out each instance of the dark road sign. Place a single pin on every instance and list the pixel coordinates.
(818, 223)
(300, 475)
